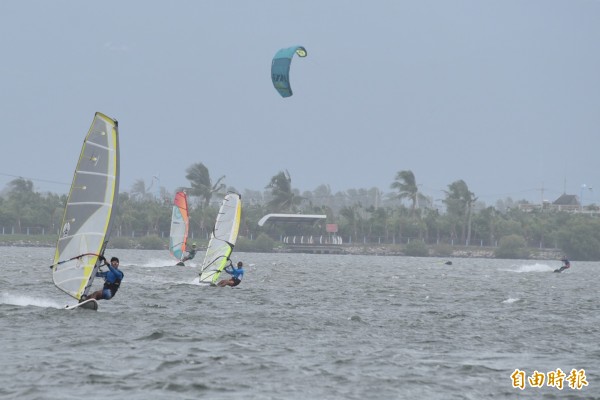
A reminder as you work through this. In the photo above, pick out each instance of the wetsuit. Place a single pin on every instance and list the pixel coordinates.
(236, 274)
(566, 266)
(112, 281)
(191, 254)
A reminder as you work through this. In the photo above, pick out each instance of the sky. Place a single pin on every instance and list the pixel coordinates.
(503, 94)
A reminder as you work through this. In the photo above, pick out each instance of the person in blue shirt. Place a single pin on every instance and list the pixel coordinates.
(236, 274)
(112, 281)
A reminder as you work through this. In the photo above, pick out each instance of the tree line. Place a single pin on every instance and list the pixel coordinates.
(401, 216)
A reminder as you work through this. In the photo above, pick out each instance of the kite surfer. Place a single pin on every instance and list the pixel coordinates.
(566, 265)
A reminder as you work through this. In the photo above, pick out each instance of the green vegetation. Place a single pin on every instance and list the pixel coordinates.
(153, 242)
(416, 248)
(512, 246)
(122, 242)
(262, 244)
(581, 238)
(402, 219)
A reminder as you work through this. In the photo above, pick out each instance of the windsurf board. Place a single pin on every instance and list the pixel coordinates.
(90, 304)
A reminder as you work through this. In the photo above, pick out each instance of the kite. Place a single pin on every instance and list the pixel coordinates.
(280, 69)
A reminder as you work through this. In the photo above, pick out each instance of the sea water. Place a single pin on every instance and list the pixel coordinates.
(304, 326)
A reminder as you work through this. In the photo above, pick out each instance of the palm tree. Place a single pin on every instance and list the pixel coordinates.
(459, 202)
(139, 191)
(353, 215)
(284, 198)
(21, 199)
(406, 185)
(202, 185)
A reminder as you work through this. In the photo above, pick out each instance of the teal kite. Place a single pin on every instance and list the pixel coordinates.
(280, 69)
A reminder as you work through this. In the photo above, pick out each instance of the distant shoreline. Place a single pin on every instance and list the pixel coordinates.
(365, 249)
(448, 252)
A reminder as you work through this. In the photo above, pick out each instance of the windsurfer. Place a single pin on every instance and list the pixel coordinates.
(112, 281)
(190, 254)
(236, 274)
(566, 265)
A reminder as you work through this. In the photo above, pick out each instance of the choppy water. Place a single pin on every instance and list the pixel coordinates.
(301, 327)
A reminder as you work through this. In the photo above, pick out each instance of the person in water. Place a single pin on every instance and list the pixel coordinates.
(236, 274)
(112, 281)
(566, 265)
(190, 254)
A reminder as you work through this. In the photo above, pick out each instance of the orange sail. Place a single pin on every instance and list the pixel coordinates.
(180, 222)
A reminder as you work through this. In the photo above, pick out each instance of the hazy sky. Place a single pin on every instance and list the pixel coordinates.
(503, 94)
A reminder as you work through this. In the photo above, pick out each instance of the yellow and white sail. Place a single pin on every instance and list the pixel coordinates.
(90, 209)
(222, 239)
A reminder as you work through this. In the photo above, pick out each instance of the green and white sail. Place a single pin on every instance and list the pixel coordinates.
(222, 238)
(90, 209)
